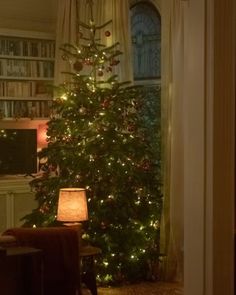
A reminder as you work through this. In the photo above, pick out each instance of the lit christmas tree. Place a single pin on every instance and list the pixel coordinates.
(104, 136)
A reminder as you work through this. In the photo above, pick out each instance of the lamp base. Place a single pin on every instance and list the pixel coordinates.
(72, 224)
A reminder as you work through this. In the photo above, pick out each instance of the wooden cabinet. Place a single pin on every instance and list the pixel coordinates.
(16, 200)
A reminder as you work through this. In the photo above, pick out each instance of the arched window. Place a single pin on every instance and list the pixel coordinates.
(146, 42)
(146, 39)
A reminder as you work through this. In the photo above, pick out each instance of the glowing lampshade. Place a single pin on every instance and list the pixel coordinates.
(72, 205)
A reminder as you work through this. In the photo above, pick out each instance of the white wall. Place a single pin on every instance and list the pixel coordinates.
(210, 159)
(194, 147)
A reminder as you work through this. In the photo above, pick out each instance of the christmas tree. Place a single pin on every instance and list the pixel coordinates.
(104, 136)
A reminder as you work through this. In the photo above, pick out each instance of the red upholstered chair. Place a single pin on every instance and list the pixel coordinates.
(60, 250)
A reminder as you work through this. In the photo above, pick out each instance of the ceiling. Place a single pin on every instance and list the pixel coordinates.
(28, 14)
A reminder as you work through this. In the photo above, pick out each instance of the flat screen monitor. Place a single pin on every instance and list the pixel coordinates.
(18, 151)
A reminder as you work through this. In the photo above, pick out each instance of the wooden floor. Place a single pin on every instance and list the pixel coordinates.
(157, 288)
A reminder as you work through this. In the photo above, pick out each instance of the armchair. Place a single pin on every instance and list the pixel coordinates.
(60, 250)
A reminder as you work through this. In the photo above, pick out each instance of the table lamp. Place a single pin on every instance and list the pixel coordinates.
(71, 210)
(72, 206)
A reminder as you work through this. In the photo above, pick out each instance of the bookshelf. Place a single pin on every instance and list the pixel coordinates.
(26, 74)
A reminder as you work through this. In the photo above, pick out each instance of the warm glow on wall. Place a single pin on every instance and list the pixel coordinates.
(42, 135)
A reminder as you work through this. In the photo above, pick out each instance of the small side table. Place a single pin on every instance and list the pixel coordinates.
(22, 268)
(88, 276)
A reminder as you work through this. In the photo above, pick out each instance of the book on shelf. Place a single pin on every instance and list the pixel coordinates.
(14, 46)
(25, 109)
(26, 68)
(25, 89)
(26, 71)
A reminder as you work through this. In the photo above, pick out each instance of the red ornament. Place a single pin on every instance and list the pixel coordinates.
(114, 62)
(107, 33)
(44, 208)
(131, 127)
(78, 66)
(105, 103)
(146, 165)
(100, 73)
(109, 69)
(88, 62)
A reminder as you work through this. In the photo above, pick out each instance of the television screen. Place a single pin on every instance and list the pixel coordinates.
(18, 151)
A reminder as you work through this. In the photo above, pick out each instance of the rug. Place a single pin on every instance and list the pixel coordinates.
(157, 288)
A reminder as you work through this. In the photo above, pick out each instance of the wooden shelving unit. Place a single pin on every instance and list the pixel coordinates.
(26, 74)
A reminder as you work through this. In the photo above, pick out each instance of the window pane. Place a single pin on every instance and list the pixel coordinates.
(146, 38)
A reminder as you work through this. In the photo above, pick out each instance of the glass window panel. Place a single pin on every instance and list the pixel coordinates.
(146, 39)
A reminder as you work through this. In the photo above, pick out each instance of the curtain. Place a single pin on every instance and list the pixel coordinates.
(72, 11)
(172, 236)
(118, 12)
(66, 32)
